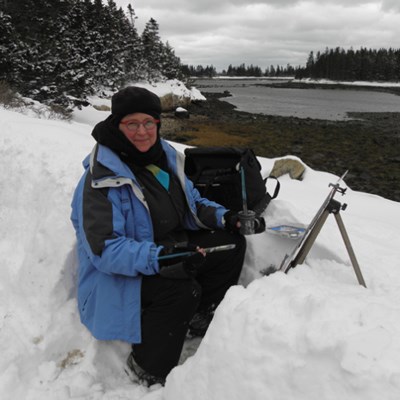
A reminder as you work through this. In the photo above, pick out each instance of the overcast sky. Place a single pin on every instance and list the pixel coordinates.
(265, 32)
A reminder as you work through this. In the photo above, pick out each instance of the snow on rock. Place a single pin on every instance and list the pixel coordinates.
(180, 110)
(311, 334)
(173, 93)
(175, 87)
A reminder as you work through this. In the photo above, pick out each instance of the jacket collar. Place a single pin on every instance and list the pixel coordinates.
(104, 163)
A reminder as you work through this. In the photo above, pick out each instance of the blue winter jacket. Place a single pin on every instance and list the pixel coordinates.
(115, 240)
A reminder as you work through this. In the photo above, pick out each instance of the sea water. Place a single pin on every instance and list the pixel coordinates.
(252, 95)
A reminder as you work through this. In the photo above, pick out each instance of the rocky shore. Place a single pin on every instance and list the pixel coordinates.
(368, 145)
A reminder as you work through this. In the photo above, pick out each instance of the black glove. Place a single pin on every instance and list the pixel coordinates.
(259, 225)
(176, 248)
(184, 269)
(231, 221)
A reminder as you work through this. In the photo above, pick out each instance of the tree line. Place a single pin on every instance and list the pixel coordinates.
(54, 50)
(254, 70)
(210, 71)
(352, 65)
(334, 64)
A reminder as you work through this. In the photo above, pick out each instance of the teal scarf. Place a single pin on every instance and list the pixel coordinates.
(161, 175)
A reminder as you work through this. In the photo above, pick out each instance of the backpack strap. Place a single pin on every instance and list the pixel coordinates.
(260, 207)
(277, 187)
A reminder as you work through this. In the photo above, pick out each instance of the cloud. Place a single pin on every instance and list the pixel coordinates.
(268, 32)
(391, 5)
(209, 6)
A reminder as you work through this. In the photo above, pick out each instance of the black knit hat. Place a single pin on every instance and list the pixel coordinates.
(133, 99)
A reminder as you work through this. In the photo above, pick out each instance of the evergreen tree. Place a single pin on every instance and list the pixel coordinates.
(9, 47)
(49, 48)
(74, 69)
(310, 63)
(152, 48)
(170, 64)
(202, 72)
(134, 65)
(363, 64)
(272, 70)
(132, 15)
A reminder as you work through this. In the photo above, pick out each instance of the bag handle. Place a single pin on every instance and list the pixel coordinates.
(277, 187)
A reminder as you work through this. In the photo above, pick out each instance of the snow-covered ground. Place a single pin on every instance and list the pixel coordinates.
(309, 80)
(354, 83)
(313, 334)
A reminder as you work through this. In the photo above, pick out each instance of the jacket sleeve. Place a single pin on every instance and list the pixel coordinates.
(101, 230)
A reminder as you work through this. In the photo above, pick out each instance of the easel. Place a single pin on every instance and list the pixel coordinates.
(330, 206)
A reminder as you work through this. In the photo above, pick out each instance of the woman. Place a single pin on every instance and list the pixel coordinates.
(133, 207)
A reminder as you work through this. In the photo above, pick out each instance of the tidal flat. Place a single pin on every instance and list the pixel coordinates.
(368, 145)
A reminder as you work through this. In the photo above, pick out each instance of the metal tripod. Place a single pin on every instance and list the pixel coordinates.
(333, 207)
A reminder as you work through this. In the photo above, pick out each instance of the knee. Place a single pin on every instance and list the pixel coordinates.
(187, 292)
(240, 244)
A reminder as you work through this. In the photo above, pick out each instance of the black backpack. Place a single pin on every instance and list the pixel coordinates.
(215, 172)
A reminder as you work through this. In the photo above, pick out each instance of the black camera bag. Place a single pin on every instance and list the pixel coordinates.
(215, 172)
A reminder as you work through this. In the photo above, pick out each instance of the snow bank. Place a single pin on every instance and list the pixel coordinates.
(311, 334)
(173, 86)
(354, 83)
(91, 115)
(314, 333)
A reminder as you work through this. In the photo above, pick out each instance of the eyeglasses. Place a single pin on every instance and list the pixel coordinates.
(134, 126)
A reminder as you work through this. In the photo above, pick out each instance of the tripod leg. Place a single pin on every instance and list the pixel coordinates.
(349, 248)
(301, 256)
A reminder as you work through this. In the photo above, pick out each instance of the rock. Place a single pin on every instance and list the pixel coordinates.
(102, 107)
(171, 101)
(394, 159)
(181, 112)
(294, 168)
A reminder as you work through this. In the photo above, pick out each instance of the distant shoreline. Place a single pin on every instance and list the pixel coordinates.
(305, 81)
(291, 83)
(395, 89)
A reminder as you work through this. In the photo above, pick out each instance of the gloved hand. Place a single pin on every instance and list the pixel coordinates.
(175, 249)
(185, 269)
(259, 225)
(232, 222)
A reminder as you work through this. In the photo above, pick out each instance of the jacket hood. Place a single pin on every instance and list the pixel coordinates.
(104, 163)
(108, 134)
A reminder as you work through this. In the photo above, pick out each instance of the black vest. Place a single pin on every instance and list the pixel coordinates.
(167, 208)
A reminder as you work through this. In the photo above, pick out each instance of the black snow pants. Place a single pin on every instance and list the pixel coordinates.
(168, 305)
